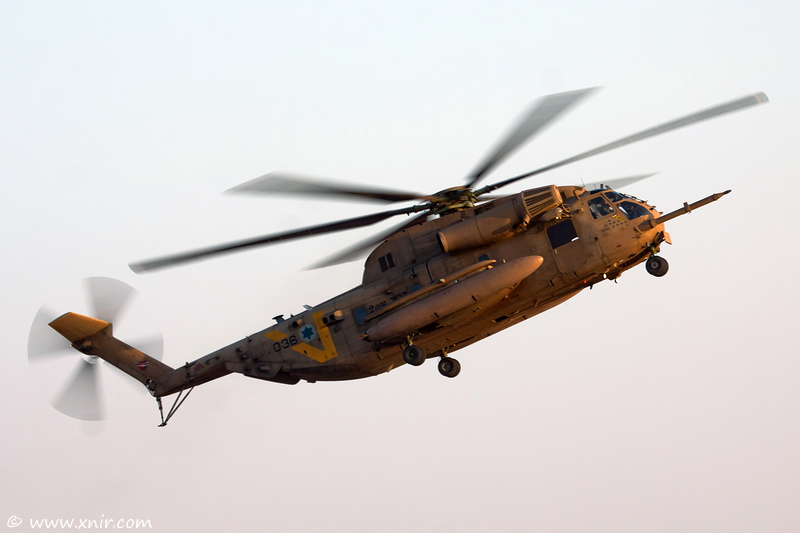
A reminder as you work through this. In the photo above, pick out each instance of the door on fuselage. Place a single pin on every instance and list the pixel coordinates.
(608, 225)
(567, 246)
(613, 224)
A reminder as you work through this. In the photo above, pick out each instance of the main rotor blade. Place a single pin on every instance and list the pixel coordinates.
(545, 110)
(289, 183)
(359, 249)
(108, 297)
(741, 103)
(350, 223)
(80, 398)
(616, 183)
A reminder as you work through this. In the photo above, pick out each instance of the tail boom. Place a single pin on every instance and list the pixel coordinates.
(92, 336)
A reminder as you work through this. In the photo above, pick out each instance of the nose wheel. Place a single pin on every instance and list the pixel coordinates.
(657, 266)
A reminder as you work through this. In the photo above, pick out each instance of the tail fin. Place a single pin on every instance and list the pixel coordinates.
(94, 337)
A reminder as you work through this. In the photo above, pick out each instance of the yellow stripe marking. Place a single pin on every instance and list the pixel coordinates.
(328, 350)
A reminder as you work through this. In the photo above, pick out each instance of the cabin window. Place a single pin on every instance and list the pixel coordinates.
(633, 210)
(386, 262)
(599, 207)
(562, 233)
(414, 288)
(336, 316)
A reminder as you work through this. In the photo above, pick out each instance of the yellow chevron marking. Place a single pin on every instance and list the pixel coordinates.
(328, 350)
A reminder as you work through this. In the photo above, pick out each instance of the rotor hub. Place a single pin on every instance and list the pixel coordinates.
(453, 199)
(86, 348)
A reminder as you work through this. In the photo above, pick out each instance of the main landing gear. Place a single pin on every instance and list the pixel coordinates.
(657, 266)
(449, 367)
(415, 356)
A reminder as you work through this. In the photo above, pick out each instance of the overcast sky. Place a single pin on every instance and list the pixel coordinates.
(658, 405)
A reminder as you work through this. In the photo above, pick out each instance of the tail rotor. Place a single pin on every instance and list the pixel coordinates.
(80, 397)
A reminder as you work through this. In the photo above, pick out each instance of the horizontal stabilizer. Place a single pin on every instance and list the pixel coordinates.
(75, 327)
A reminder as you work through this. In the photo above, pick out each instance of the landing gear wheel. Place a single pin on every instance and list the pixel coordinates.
(449, 367)
(657, 266)
(414, 355)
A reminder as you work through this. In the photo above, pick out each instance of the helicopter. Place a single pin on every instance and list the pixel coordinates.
(465, 266)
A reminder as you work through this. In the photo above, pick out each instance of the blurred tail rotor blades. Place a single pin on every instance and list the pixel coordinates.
(81, 397)
(152, 345)
(43, 342)
(108, 297)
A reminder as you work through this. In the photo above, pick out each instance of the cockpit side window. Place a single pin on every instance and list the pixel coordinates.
(633, 210)
(599, 207)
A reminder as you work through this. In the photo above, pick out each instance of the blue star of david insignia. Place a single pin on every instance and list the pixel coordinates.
(308, 333)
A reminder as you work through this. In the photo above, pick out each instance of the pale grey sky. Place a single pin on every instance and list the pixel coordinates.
(656, 405)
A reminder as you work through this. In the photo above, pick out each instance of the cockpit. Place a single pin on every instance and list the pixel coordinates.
(601, 204)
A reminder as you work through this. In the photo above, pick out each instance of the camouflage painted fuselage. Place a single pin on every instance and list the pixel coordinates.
(579, 244)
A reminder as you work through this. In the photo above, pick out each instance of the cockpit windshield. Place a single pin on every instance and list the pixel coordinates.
(632, 210)
(627, 204)
(615, 197)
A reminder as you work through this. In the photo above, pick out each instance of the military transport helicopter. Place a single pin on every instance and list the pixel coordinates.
(466, 266)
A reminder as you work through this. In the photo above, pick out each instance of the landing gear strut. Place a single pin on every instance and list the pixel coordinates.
(449, 367)
(657, 266)
(178, 402)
